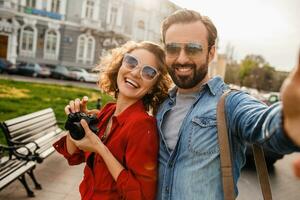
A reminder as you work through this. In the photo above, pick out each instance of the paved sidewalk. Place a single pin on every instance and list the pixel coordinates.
(58, 179)
(60, 182)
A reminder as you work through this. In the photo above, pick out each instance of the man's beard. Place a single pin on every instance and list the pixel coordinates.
(187, 82)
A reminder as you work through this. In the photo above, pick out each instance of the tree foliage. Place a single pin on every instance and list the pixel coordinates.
(255, 72)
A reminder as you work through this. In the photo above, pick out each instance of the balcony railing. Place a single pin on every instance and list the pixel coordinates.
(42, 13)
(8, 9)
(90, 23)
(115, 28)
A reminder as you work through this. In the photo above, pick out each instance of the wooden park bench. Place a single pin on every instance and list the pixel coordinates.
(35, 131)
(15, 166)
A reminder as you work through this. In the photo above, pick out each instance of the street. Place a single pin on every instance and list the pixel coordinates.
(284, 185)
(48, 80)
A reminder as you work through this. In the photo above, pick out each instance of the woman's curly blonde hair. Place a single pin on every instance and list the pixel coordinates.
(109, 67)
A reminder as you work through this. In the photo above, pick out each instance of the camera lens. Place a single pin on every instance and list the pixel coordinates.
(76, 131)
(73, 124)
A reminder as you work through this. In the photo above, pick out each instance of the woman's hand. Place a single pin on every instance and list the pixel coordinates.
(74, 106)
(78, 105)
(91, 142)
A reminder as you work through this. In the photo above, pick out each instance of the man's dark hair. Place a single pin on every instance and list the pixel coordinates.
(189, 16)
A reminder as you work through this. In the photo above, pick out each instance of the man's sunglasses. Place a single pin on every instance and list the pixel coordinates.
(147, 72)
(191, 49)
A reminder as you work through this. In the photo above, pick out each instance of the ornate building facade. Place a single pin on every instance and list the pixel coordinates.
(75, 33)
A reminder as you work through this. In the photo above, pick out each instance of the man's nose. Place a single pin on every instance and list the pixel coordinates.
(182, 57)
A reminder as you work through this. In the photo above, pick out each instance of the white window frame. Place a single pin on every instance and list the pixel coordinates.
(55, 6)
(80, 48)
(48, 54)
(89, 9)
(90, 12)
(24, 51)
(140, 30)
(44, 5)
(87, 52)
(30, 3)
(118, 5)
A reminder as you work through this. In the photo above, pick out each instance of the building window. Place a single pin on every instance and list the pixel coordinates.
(90, 47)
(28, 41)
(140, 31)
(55, 6)
(51, 44)
(89, 10)
(113, 16)
(30, 3)
(85, 49)
(80, 48)
(44, 5)
(141, 24)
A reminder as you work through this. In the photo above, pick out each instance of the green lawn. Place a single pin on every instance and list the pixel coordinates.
(19, 98)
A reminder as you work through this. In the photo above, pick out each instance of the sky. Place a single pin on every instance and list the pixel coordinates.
(270, 28)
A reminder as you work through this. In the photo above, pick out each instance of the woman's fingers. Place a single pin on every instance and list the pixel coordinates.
(72, 106)
(83, 104)
(67, 110)
(77, 105)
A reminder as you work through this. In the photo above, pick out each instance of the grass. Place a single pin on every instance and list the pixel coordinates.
(20, 98)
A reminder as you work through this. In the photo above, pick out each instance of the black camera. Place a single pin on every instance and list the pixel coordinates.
(74, 127)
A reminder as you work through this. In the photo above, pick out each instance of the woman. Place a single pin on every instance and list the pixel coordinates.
(123, 163)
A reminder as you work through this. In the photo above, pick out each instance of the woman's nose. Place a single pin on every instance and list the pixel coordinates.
(136, 72)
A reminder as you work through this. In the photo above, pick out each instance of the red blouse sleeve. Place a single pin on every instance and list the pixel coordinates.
(138, 180)
(78, 156)
(74, 159)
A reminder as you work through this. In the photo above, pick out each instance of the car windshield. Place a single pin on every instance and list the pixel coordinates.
(74, 69)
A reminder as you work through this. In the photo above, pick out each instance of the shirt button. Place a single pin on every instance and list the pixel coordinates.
(167, 189)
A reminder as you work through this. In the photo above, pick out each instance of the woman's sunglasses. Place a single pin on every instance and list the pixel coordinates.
(191, 49)
(147, 72)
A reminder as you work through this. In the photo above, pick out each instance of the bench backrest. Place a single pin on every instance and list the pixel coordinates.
(29, 127)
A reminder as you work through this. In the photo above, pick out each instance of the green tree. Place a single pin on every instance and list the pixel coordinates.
(250, 64)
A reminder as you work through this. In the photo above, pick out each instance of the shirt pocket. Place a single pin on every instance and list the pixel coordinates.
(203, 138)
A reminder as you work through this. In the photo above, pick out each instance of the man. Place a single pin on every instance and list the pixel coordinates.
(189, 159)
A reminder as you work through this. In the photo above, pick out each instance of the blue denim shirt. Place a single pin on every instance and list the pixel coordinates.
(192, 170)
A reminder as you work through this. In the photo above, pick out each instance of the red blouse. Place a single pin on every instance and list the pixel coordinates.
(133, 141)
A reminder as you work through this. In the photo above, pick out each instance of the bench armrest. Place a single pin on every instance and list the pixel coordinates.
(28, 155)
(13, 150)
(16, 143)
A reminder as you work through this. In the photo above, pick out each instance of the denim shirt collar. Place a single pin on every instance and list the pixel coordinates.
(213, 85)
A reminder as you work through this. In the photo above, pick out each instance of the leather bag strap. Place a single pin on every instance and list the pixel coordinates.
(226, 157)
(262, 171)
(225, 154)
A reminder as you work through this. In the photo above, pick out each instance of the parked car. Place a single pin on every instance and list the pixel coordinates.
(273, 98)
(63, 72)
(33, 69)
(7, 67)
(83, 75)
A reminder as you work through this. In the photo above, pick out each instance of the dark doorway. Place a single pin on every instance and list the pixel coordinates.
(3, 46)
